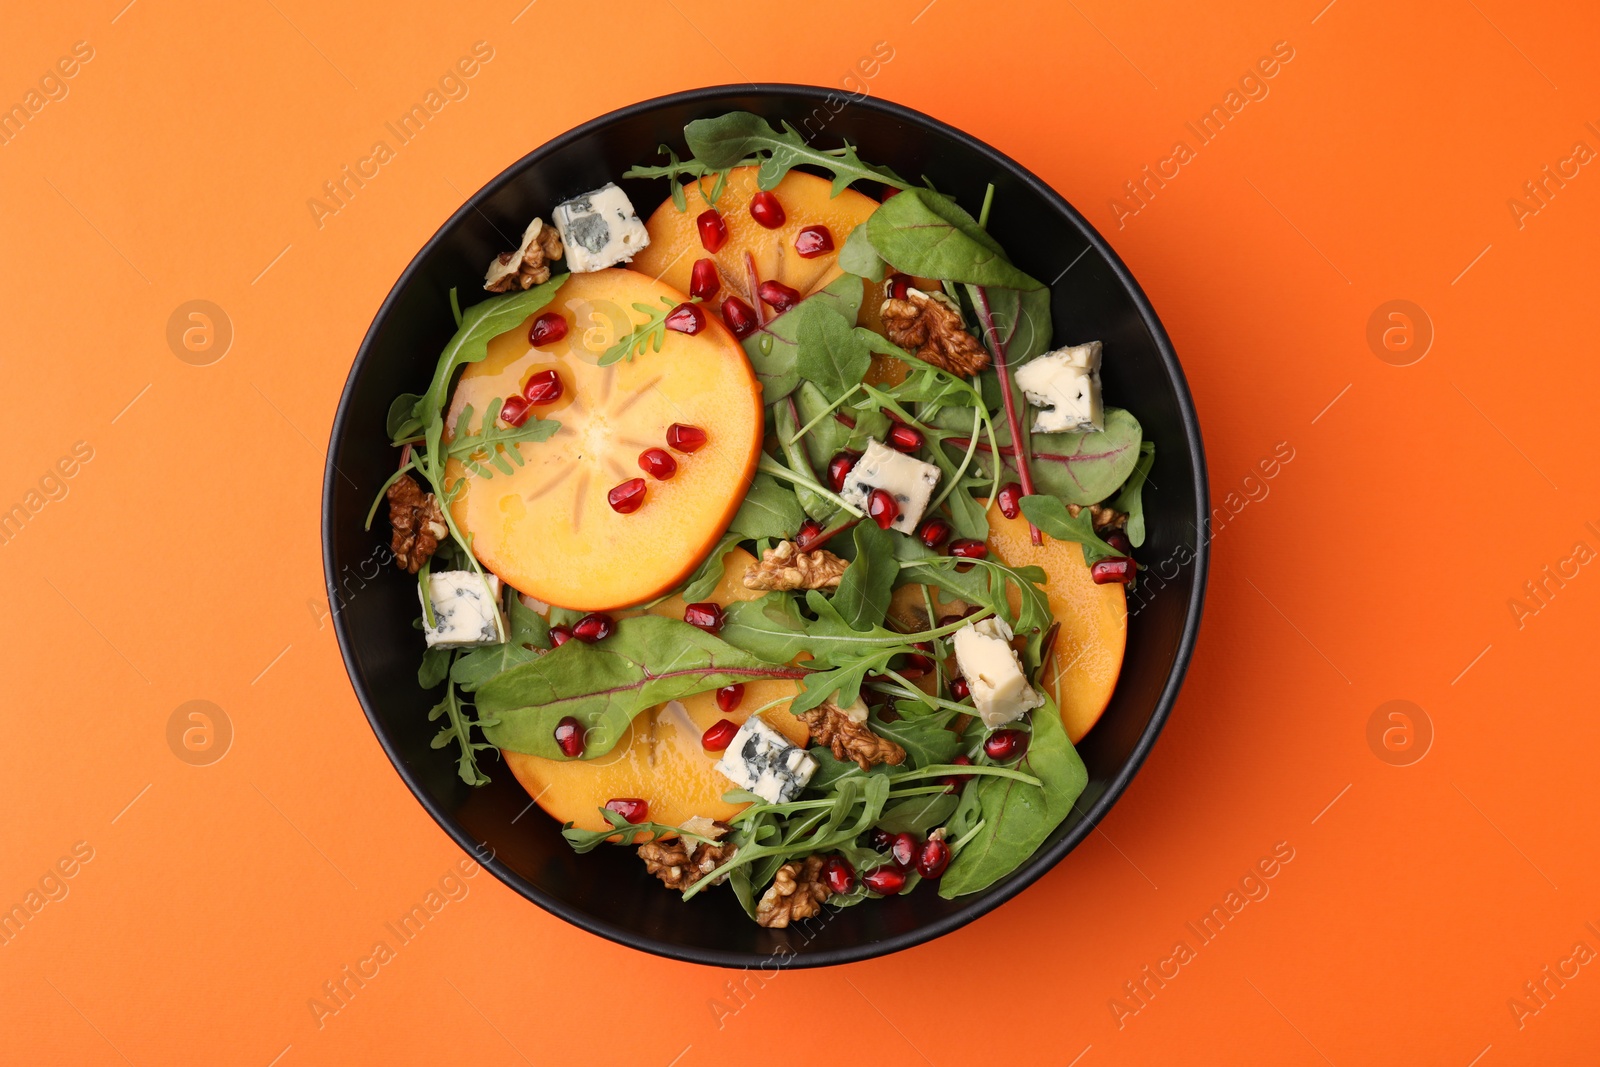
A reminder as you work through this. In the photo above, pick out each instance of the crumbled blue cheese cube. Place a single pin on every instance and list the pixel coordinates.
(764, 762)
(599, 229)
(909, 480)
(1065, 386)
(1000, 691)
(466, 610)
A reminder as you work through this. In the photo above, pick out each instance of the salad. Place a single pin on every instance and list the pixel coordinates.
(771, 536)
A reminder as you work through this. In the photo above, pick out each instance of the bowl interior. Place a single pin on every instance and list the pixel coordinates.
(374, 603)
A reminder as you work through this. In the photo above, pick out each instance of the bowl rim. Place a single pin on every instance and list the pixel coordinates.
(1044, 859)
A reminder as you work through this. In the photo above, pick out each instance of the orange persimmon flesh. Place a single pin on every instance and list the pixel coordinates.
(659, 760)
(547, 528)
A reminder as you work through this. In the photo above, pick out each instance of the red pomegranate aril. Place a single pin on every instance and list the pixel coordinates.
(934, 533)
(886, 881)
(684, 438)
(781, 297)
(879, 840)
(887, 193)
(1010, 500)
(904, 849)
(547, 329)
(968, 548)
(934, 858)
(959, 689)
(560, 635)
(903, 438)
(767, 209)
(809, 536)
(954, 782)
(630, 808)
(813, 241)
(1119, 541)
(838, 875)
(719, 735)
(543, 388)
(658, 463)
(1118, 569)
(1005, 745)
(730, 696)
(882, 509)
(916, 666)
(569, 737)
(839, 468)
(713, 230)
(895, 286)
(704, 616)
(626, 498)
(705, 279)
(686, 318)
(514, 411)
(740, 318)
(595, 626)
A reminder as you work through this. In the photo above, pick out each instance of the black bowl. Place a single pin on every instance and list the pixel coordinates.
(607, 891)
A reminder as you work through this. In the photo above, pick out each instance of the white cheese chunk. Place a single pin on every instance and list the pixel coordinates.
(1065, 386)
(909, 480)
(466, 610)
(763, 761)
(1000, 690)
(599, 229)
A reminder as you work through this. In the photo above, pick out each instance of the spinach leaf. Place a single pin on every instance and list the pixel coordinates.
(927, 234)
(774, 348)
(727, 140)
(401, 423)
(859, 257)
(769, 510)
(1052, 517)
(830, 354)
(773, 629)
(1131, 499)
(529, 632)
(1022, 319)
(647, 661)
(1017, 817)
(1080, 468)
(862, 598)
(926, 737)
(917, 815)
(785, 422)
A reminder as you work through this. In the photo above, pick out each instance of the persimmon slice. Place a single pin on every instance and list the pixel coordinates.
(547, 528)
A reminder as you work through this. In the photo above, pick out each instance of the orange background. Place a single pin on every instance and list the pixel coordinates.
(183, 562)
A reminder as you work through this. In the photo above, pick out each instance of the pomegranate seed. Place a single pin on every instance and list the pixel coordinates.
(705, 279)
(954, 782)
(934, 533)
(730, 696)
(630, 808)
(739, 318)
(767, 210)
(810, 535)
(1119, 541)
(543, 388)
(547, 329)
(626, 498)
(882, 509)
(839, 468)
(704, 616)
(682, 438)
(514, 411)
(838, 874)
(967, 548)
(1006, 745)
(778, 295)
(719, 735)
(896, 285)
(916, 666)
(888, 192)
(1010, 500)
(1118, 569)
(713, 231)
(904, 438)
(934, 858)
(569, 736)
(560, 635)
(658, 463)
(959, 690)
(904, 849)
(887, 880)
(813, 241)
(686, 318)
(879, 840)
(595, 626)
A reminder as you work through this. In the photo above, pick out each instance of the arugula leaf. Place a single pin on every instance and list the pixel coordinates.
(1017, 817)
(458, 728)
(435, 667)
(769, 510)
(493, 444)
(989, 583)
(858, 256)
(927, 234)
(862, 599)
(1080, 468)
(401, 423)
(709, 574)
(1131, 499)
(830, 353)
(926, 737)
(1051, 516)
(828, 436)
(629, 832)
(725, 141)
(785, 423)
(774, 348)
(773, 629)
(673, 169)
(647, 661)
(651, 333)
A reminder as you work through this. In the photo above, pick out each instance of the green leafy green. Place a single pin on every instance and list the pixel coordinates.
(1051, 516)
(926, 737)
(1131, 498)
(651, 333)
(858, 256)
(1022, 319)
(769, 510)
(927, 234)
(674, 169)
(435, 667)
(529, 632)
(727, 140)
(862, 598)
(829, 352)
(458, 728)
(774, 348)
(709, 574)
(626, 833)
(493, 445)
(917, 815)
(1080, 468)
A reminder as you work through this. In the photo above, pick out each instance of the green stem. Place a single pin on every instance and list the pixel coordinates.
(829, 410)
(768, 465)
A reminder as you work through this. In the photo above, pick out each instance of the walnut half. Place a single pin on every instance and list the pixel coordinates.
(679, 862)
(849, 739)
(932, 330)
(418, 524)
(786, 567)
(797, 892)
(529, 265)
